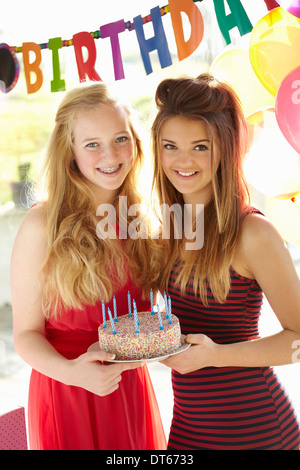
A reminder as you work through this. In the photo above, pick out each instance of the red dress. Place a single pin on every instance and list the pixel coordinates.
(62, 417)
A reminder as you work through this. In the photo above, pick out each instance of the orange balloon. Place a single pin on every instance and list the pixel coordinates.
(234, 67)
(274, 47)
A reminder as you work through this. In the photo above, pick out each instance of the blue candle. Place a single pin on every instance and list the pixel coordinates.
(170, 312)
(115, 309)
(103, 315)
(151, 300)
(111, 321)
(159, 317)
(136, 319)
(166, 304)
(129, 305)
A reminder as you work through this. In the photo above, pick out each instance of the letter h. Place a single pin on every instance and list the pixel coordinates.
(157, 42)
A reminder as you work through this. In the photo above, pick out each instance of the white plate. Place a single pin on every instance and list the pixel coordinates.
(183, 347)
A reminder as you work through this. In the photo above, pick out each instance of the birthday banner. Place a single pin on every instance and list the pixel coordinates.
(85, 41)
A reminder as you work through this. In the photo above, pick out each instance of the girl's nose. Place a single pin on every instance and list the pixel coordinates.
(184, 157)
(108, 151)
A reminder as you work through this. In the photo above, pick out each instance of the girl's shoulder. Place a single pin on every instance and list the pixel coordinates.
(258, 239)
(30, 246)
(256, 227)
(259, 236)
(34, 223)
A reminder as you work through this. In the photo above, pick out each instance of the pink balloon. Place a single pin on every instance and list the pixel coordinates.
(292, 6)
(287, 108)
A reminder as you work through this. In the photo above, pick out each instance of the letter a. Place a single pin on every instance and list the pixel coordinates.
(106, 228)
(238, 17)
(296, 94)
(186, 48)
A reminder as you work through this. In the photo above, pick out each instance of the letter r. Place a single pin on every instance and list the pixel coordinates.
(80, 40)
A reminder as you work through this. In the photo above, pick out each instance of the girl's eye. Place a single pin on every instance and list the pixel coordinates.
(92, 145)
(201, 147)
(121, 139)
(169, 146)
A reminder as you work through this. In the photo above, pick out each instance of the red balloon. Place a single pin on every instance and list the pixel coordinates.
(287, 108)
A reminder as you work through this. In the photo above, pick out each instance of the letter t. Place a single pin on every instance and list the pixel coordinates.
(112, 30)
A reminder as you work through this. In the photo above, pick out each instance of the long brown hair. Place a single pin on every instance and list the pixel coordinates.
(80, 268)
(214, 103)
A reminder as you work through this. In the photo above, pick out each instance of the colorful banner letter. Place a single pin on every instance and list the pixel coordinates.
(57, 84)
(270, 4)
(32, 67)
(157, 42)
(186, 48)
(81, 40)
(238, 17)
(112, 30)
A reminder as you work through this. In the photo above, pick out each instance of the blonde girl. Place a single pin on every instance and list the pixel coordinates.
(61, 271)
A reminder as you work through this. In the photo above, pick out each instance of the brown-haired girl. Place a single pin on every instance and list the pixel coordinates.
(226, 395)
(61, 271)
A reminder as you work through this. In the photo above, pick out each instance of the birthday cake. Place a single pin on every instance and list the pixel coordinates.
(156, 336)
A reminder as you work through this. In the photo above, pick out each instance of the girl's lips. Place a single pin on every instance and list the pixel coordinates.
(109, 170)
(185, 173)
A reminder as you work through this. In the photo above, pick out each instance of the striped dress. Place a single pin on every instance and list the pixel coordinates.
(228, 408)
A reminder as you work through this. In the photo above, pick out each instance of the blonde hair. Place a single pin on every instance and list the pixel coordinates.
(214, 103)
(80, 268)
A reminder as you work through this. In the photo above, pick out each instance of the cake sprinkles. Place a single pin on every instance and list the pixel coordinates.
(150, 341)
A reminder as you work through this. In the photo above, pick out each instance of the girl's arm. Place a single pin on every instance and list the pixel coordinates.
(29, 322)
(263, 256)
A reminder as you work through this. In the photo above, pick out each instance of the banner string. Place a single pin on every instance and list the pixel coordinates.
(96, 34)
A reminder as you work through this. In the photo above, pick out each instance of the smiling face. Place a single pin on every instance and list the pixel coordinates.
(185, 149)
(103, 148)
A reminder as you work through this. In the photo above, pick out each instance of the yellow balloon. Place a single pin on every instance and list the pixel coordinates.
(274, 47)
(234, 67)
(285, 215)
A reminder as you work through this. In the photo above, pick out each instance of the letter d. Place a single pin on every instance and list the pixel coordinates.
(186, 48)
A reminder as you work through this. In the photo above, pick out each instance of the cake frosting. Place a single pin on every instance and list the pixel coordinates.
(149, 342)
